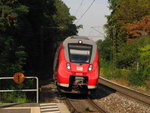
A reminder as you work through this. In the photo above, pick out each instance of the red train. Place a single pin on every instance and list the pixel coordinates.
(76, 65)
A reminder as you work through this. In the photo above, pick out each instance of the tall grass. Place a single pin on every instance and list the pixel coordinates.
(14, 97)
(136, 78)
(132, 77)
(109, 71)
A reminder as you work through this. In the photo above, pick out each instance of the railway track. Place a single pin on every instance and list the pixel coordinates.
(126, 91)
(83, 106)
(100, 109)
(97, 103)
(76, 105)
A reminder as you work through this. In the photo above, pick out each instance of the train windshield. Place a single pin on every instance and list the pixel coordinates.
(80, 53)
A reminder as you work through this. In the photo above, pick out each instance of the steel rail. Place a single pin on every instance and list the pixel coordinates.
(70, 106)
(89, 101)
(125, 90)
(100, 109)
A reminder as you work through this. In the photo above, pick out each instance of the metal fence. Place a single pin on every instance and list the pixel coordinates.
(24, 90)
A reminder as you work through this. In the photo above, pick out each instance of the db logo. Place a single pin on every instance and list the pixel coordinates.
(18, 78)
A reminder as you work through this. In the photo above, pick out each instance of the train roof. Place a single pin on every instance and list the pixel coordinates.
(76, 39)
(79, 37)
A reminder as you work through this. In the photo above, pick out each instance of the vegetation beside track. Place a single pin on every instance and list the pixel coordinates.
(125, 77)
(30, 32)
(17, 97)
(125, 52)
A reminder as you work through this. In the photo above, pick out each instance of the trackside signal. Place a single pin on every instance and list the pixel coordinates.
(18, 78)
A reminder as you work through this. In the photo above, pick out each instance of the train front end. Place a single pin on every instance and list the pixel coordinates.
(78, 68)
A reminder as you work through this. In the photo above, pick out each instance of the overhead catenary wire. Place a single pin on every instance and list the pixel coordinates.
(85, 11)
(93, 36)
(97, 27)
(98, 31)
(79, 8)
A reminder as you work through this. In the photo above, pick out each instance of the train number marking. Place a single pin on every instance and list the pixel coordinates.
(79, 68)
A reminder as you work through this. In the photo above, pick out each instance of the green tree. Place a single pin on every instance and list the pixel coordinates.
(105, 49)
(128, 55)
(10, 13)
(113, 4)
(38, 26)
(145, 60)
(63, 19)
(123, 12)
(12, 58)
(47, 23)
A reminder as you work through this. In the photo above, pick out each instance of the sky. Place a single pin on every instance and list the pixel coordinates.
(93, 20)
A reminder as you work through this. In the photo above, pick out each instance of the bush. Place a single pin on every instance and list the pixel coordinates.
(146, 72)
(17, 97)
(14, 97)
(108, 70)
(136, 78)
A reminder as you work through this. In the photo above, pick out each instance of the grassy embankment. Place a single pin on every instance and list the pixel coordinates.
(125, 77)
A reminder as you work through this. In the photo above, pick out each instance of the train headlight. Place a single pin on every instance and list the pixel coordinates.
(68, 66)
(80, 42)
(90, 67)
